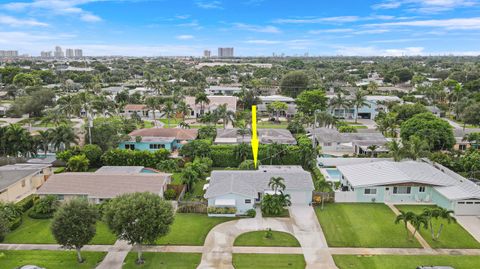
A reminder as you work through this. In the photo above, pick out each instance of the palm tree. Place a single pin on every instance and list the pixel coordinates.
(202, 99)
(168, 109)
(277, 183)
(372, 149)
(276, 151)
(436, 213)
(418, 220)
(44, 138)
(340, 102)
(277, 107)
(18, 140)
(68, 104)
(63, 136)
(416, 147)
(183, 108)
(325, 119)
(388, 124)
(189, 176)
(54, 117)
(241, 151)
(223, 113)
(395, 150)
(358, 101)
(152, 104)
(242, 128)
(405, 217)
(184, 125)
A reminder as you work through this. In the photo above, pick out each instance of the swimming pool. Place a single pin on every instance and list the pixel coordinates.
(333, 173)
(148, 171)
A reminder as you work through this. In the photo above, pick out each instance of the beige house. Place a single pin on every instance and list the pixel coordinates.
(18, 181)
(214, 102)
(104, 185)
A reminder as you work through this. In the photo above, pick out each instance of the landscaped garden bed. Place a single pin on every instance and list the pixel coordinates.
(266, 239)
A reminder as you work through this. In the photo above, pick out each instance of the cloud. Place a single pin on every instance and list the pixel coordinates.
(338, 19)
(56, 7)
(449, 24)
(31, 38)
(256, 28)
(329, 31)
(14, 22)
(387, 5)
(209, 4)
(184, 37)
(374, 51)
(425, 6)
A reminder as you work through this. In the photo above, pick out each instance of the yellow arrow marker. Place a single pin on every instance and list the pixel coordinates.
(254, 141)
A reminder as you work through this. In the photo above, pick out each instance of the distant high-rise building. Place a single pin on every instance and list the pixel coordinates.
(225, 52)
(207, 53)
(69, 53)
(46, 54)
(8, 53)
(58, 52)
(78, 53)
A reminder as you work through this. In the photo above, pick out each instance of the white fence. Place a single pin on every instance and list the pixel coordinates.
(345, 197)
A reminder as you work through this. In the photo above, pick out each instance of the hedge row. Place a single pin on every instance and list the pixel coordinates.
(125, 157)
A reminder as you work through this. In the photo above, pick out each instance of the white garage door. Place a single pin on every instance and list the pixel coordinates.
(300, 197)
(467, 208)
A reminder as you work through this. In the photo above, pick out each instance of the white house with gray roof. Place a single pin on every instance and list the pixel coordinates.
(18, 181)
(265, 136)
(408, 182)
(242, 189)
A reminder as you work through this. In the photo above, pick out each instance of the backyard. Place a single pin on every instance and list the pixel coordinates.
(404, 262)
(49, 259)
(190, 229)
(259, 239)
(155, 260)
(268, 261)
(37, 231)
(362, 225)
(453, 235)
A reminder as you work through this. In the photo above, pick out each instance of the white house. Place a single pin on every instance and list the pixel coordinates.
(266, 100)
(215, 102)
(222, 90)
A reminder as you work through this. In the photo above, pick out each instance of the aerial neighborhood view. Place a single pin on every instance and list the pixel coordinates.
(218, 134)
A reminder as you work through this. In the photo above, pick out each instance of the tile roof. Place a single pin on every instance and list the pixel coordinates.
(135, 107)
(168, 133)
(249, 182)
(103, 185)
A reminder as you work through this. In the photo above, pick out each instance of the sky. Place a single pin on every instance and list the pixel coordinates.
(252, 27)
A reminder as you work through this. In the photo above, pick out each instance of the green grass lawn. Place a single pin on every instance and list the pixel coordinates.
(37, 231)
(164, 260)
(10, 259)
(271, 125)
(404, 262)
(362, 225)
(279, 239)
(190, 229)
(453, 234)
(173, 122)
(268, 261)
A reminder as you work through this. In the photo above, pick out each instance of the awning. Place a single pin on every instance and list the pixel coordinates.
(225, 202)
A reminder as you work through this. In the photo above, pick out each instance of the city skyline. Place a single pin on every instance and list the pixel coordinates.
(252, 27)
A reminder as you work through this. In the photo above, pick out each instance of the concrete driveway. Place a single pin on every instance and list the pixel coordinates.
(471, 224)
(303, 224)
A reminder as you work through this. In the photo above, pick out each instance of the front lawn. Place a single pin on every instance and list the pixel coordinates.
(49, 259)
(258, 239)
(268, 261)
(190, 229)
(37, 231)
(272, 125)
(453, 235)
(154, 260)
(404, 262)
(362, 225)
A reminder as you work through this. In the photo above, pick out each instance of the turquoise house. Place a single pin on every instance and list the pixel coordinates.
(408, 182)
(153, 139)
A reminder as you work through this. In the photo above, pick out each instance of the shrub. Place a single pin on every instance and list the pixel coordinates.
(78, 163)
(251, 213)
(93, 154)
(192, 208)
(59, 170)
(26, 203)
(10, 211)
(44, 207)
(125, 157)
(15, 223)
(347, 129)
(221, 210)
(169, 166)
(170, 194)
(269, 233)
(3, 227)
(247, 165)
(207, 132)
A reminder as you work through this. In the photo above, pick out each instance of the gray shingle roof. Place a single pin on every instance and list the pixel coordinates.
(328, 135)
(119, 170)
(266, 136)
(10, 177)
(249, 182)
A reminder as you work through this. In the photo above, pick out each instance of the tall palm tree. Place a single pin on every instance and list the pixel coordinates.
(340, 102)
(54, 117)
(202, 99)
(277, 183)
(405, 217)
(242, 128)
(276, 151)
(44, 138)
(358, 101)
(395, 150)
(417, 221)
(184, 109)
(69, 105)
(436, 213)
(325, 119)
(18, 140)
(63, 137)
(168, 109)
(223, 113)
(241, 151)
(152, 104)
(416, 147)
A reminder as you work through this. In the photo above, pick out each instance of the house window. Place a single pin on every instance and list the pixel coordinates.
(370, 191)
(402, 190)
(60, 197)
(157, 146)
(329, 144)
(248, 201)
(462, 147)
(130, 146)
(461, 203)
(421, 189)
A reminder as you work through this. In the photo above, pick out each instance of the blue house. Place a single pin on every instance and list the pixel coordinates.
(158, 138)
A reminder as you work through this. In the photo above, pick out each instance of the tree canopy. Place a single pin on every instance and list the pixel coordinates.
(437, 132)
